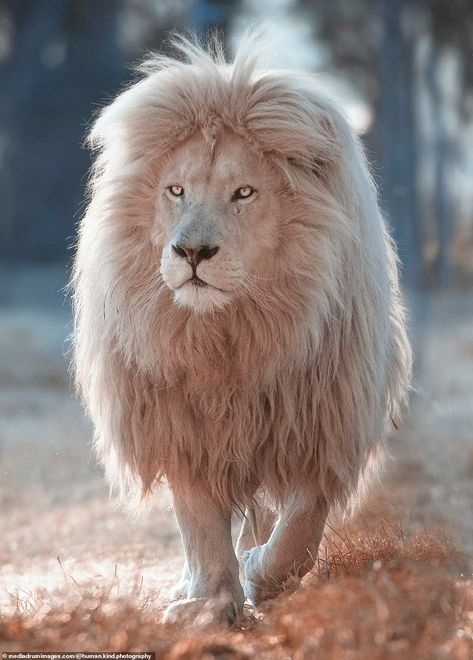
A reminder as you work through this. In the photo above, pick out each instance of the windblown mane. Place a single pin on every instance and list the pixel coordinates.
(299, 377)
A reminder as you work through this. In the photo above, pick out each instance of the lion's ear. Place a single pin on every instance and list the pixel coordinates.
(318, 168)
(323, 149)
(331, 142)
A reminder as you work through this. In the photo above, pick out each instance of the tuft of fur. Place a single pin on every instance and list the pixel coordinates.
(297, 379)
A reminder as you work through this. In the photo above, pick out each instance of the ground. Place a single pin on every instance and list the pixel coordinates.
(78, 574)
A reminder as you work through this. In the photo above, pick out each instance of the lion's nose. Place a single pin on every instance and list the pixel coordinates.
(195, 255)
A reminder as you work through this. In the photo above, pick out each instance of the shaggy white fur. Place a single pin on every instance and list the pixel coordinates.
(282, 371)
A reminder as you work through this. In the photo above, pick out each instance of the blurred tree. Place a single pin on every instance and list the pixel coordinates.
(451, 31)
(143, 24)
(213, 15)
(63, 59)
(376, 44)
(397, 136)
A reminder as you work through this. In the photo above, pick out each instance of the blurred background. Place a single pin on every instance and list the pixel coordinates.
(403, 72)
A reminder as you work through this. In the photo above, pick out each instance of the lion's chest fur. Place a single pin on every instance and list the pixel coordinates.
(236, 437)
(234, 404)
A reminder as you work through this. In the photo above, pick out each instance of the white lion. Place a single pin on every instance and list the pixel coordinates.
(239, 330)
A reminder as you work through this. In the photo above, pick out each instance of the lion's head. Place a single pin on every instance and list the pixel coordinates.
(220, 183)
(217, 217)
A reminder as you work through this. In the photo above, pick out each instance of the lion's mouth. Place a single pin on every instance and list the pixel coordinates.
(196, 281)
(199, 295)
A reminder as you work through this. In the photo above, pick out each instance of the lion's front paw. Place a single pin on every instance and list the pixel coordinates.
(259, 585)
(199, 612)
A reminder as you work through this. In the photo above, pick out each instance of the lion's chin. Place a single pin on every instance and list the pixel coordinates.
(201, 299)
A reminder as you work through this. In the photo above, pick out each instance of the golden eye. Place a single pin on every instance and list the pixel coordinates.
(243, 193)
(177, 191)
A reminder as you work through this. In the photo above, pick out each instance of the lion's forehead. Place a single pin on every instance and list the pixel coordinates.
(200, 164)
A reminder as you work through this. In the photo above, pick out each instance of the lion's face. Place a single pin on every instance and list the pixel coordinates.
(216, 219)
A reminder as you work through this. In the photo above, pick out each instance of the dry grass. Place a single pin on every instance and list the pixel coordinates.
(379, 595)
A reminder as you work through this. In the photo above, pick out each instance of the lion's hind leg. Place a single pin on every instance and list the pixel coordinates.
(290, 551)
(258, 523)
(181, 590)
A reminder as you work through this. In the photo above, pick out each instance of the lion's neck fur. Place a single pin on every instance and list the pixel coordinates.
(240, 347)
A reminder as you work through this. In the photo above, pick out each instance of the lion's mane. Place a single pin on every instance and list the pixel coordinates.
(294, 382)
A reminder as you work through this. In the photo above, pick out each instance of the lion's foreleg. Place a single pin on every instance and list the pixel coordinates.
(213, 567)
(290, 551)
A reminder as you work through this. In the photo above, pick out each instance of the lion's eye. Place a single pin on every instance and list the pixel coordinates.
(177, 191)
(243, 193)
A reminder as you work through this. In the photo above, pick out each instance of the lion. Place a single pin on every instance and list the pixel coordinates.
(239, 328)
